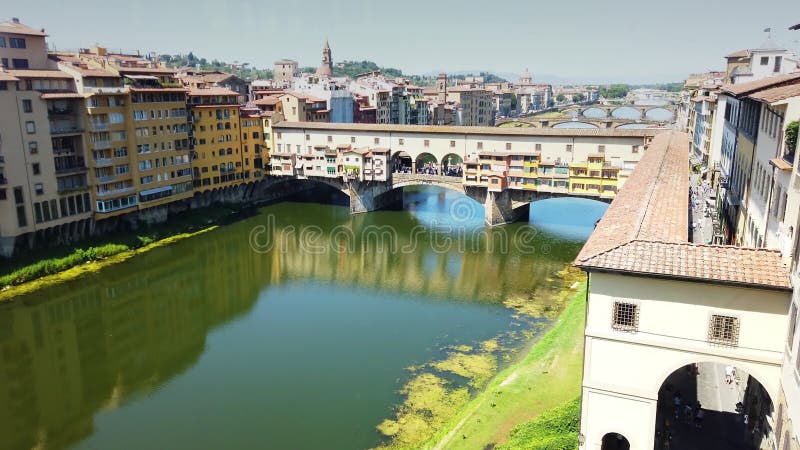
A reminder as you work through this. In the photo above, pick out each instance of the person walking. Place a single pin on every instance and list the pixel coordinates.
(729, 374)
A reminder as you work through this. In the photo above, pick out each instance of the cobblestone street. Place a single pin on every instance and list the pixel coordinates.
(721, 428)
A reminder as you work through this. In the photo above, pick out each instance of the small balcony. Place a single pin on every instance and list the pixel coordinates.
(105, 89)
(98, 145)
(72, 188)
(103, 162)
(98, 126)
(116, 192)
(60, 110)
(56, 130)
(106, 179)
(71, 170)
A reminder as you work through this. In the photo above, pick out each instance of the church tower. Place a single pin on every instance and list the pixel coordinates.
(526, 77)
(326, 68)
(441, 88)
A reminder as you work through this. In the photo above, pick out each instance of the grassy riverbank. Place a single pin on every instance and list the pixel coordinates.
(544, 384)
(46, 266)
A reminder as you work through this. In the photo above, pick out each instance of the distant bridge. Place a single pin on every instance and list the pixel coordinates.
(588, 122)
(609, 110)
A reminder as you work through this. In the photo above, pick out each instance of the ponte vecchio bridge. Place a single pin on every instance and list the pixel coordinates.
(504, 169)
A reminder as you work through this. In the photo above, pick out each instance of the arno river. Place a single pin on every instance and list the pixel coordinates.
(295, 328)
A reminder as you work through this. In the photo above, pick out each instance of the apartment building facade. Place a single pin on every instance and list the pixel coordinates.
(217, 161)
(43, 183)
(92, 135)
(764, 164)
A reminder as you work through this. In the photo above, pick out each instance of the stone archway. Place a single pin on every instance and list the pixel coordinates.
(426, 163)
(402, 162)
(712, 406)
(451, 165)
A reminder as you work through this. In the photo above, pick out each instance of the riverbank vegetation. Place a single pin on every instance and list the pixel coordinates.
(461, 402)
(49, 261)
(556, 429)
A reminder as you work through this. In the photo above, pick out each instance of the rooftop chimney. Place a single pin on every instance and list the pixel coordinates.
(15, 19)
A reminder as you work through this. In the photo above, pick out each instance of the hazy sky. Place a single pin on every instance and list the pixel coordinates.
(625, 40)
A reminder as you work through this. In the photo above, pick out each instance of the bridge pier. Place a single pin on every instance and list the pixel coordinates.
(500, 209)
(371, 196)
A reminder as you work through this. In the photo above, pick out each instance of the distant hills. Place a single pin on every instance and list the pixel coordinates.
(353, 68)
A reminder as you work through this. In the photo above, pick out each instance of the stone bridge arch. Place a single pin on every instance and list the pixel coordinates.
(616, 109)
(563, 122)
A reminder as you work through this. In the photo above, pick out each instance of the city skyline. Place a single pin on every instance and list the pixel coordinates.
(665, 51)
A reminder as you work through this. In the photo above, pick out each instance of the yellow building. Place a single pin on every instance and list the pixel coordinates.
(217, 161)
(159, 132)
(298, 107)
(593, 177)
(253, 143)
(523, 171)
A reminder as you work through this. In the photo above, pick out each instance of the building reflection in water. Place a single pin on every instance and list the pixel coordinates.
(69, 351)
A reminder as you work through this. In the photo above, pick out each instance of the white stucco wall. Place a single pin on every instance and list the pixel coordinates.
(623, 371)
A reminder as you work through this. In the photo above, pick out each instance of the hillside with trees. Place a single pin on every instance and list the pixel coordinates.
(352, 68)
(243, 70)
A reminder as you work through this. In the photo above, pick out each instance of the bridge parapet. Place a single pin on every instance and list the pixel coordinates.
(408, 179)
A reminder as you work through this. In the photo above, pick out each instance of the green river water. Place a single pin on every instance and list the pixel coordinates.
(292, 329)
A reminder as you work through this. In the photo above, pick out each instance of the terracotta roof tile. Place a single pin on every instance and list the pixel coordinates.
(740, 54)
(269, 100)
(778, 93)
(645, 230)
(212, 91)
(12, 27)
(764, 83)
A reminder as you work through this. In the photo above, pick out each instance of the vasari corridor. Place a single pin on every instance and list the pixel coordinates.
(316, 225)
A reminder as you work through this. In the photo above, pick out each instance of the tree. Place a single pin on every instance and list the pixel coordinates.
(577, 98)
(190, 57)
(614, 91)
(560, 98)
(791, 136)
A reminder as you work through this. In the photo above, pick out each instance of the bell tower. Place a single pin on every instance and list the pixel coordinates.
(326, 68)
(441, 88)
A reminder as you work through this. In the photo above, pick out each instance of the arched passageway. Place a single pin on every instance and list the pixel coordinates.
(452, 165)
(712, 406)
(402, 162)
(427, 164)
(615, 441)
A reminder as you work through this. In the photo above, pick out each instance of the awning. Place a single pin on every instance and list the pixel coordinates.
(156, 190)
